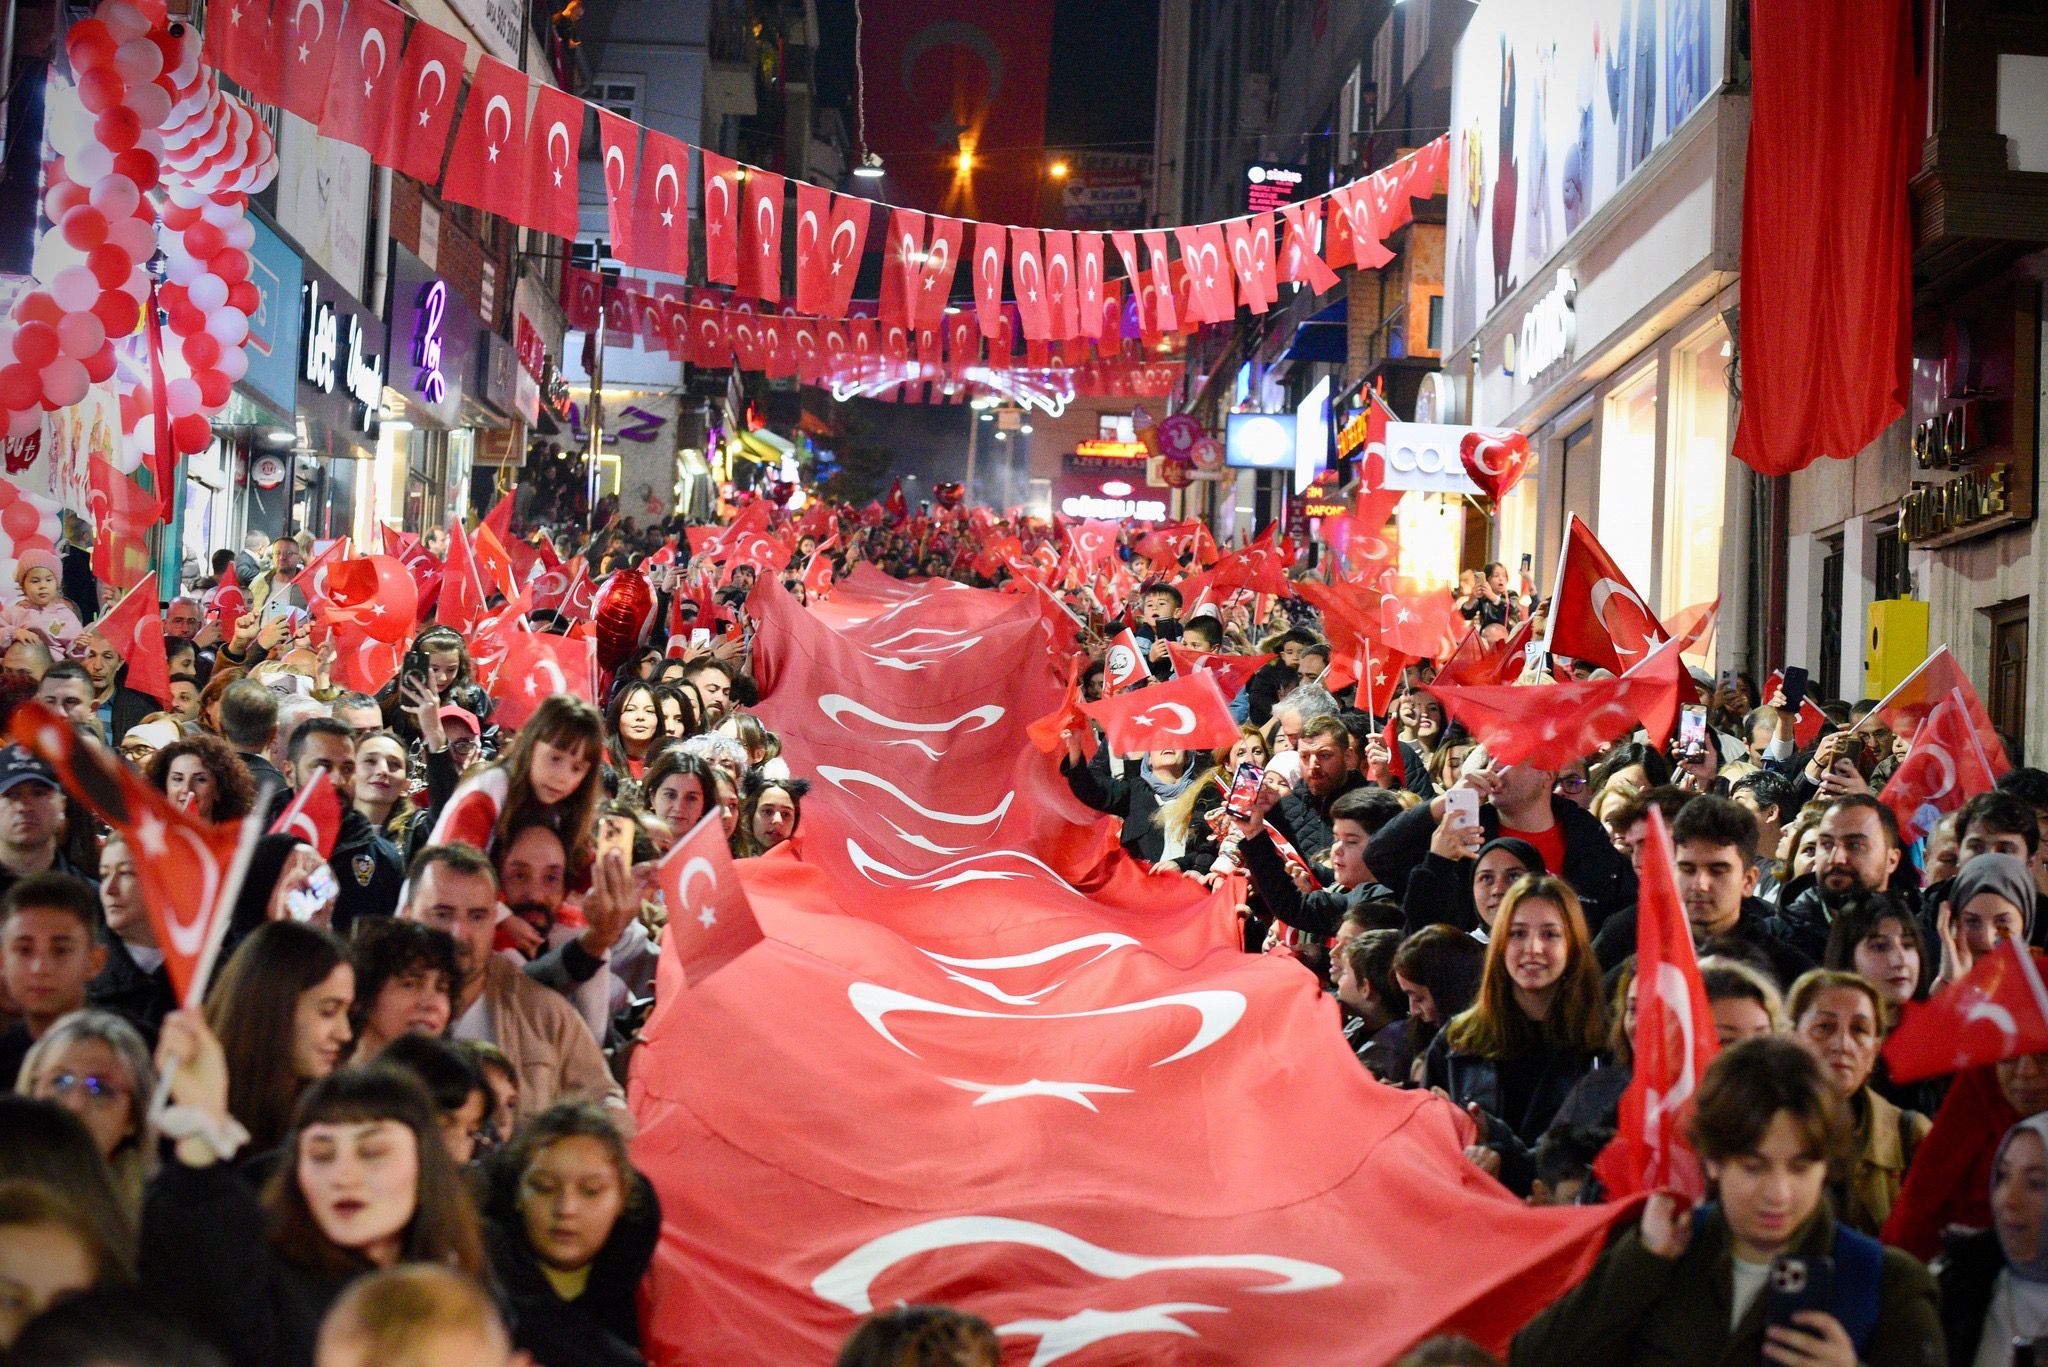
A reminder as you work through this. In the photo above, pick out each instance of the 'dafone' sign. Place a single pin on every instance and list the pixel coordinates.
(1424, 455)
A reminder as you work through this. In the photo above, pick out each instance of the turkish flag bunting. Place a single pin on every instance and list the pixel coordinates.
(423, 104)
(761, 235)
(1550, 725)
(1674, 1041)
(1088, 284)
(244, 41)
(1811, 721)
(709, 921)
(831, 232)
(1232, 672)
(1027, 282)
(1251, 257)
(534, 668)
(360, 104)
(554, 135)
(1209, 292)
(660, 238)
(312, 36)
(1298, 259)
(1189, 713)
(936, 271)
(136, 633)
(989, 254)
(371, 595)
(190, 871)
(1158, 294)
(721, 218)
(1596, 615)
(618, 141)
(582, 298)
(1945, 767)
(1354, 234)
(1123, 664)
(1998, 1011)
(313, 815)
(901, 266)
(1063, 297)
(708, 345)
(1938, 679)
(462, 586)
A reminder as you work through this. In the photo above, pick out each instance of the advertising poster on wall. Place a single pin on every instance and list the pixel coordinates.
(1553, 108)
(323, 200)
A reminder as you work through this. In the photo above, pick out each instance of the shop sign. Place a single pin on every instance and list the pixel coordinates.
(1090, 487)
(1322, 499)
(495, 369)
(1268, 186)
(433, 340)
(431, 309)
(273, 344)
(554, 391)
(336, 354)
(1351, 436)
(1934, 511)
(267, 471)
(1974, 415)
(1549, 330)
(527, 344)
(1116, 450)
(1425, 455)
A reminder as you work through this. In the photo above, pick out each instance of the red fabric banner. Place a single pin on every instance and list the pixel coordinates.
(363, 95)
(554, 135)
(618, 142)
(423, 99)
(1596, 615)
(761, 236)
(1550, 725)
(312, 36)
(722, 188)
(1827, 241)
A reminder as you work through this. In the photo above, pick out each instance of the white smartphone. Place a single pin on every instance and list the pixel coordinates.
(1461, 806)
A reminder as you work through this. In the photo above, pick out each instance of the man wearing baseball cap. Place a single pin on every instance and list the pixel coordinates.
(31, 814)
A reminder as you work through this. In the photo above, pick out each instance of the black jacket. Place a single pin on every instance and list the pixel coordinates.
(1598, 872)
(367, 868)
(1439, 892)
(142, 999)
(601, 1327)
(1806, 921)
(1968, 1274)
(1470, 1080)
(1128, 797)
(1617, 940)
(265, 773)
(1319, 912)
(1304, 818)
(1264, 688)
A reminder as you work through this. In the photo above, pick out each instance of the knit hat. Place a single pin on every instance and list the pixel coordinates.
(37, 560)
(2035, 1269)
(2006, 875)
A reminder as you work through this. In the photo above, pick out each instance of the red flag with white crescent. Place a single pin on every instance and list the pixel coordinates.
(359, 105)
(1998, 1011)
(935, 273)
(536, 666)
(761, 235)
(990, 251)
(722, 190)
(486, 165)
(1596, 614)
(135, 631)
(1123, 664)
(313, 815)
(618, 141)
(1232, 672)
(1939, 679)
(709, 921)
(1944, 768)
(312, 39)
(1189, 713)
(1551, 725)
(660, 238)
(553, 139)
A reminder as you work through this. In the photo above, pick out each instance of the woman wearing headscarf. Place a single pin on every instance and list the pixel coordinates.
(1990, 900)
(1432, 896)
(1994, 1284)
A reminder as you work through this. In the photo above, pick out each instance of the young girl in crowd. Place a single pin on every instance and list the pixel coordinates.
(41, 609)
(1438, 968)
(633, 728)
(362, 1182)
(679, 789)
(280, 1011)
(48, 1249)
(553, 774)
(769, 813)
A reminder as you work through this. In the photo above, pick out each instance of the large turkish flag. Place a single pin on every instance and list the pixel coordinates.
(1085, 1136)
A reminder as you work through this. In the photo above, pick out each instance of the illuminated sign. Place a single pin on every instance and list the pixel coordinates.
(332, 357)
(1267, 186)
(1549, 329)
(1351, 436)
(1258, 441)
(1120, 450)
(426, 341)
(1322, 499)
(1425, 455)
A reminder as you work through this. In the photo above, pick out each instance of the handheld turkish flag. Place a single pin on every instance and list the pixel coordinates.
(135, 631)
(661, 213)
(1937, 679)
(226, 597)
(1123, 664)
(1423, 624)
(423, 98)
(314, 815)
(1473, 662)
(1596, 615)
(1674, 1041)
(897, 505)
(359, 107)
(462, 584)
(370, 595)
(1261, 566)
(190, 871)
(1070, 715)
(1945, 767)
(536, 666)
(1998, 1011)
(1811, 721)
(367, 664)
(818, 573)
(709, 921)
(1377, 672)
(1550, 725)
(1232, 672)
(555, 588)
(1186, 714)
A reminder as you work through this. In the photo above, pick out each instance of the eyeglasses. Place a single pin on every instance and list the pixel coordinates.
(92, 1085)
(1569, 783)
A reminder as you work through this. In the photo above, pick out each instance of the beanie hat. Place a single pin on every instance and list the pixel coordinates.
(37, 560)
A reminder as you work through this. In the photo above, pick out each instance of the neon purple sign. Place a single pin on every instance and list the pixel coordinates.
(426, 341)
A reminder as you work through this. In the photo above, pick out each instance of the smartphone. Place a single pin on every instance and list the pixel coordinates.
(413, 678)
(1797, 1283)
(1528, 562)
(1692, 731)
(320, 890)
(1727, 681)
(1794, 684)
(1244, 786)
(699, 637)
(1461, 806)
(615, 833)
(275, 610)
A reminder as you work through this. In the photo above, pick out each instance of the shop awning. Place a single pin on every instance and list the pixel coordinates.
(765, 446)
(1324, 337)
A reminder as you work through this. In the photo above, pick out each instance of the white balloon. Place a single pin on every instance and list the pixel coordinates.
(136, 286)
(75, 289)
(134, 236)
(138, 59)
(233, 363)
(229, 326)
(183, 196)
(53, 255)
(70, 126)
(123, 19)
(209, 292)
(115, 196)
(90, 164)
(183, 270)
(241, 234)
(152, 105)
(182, 397)
(24, 422)
(218, 214)
(130, 453)
(64, 381)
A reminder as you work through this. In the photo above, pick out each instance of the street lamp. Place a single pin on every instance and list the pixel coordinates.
(1058, 170)
(870, 167)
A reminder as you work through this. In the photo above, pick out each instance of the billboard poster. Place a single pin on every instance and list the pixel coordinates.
(1553, 108)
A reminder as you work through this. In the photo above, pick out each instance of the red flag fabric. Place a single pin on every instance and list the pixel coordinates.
(1093, 542)
(1188, 713)
(1938, 679)
(245, 41)
(1123, 664)
(1674, 1041)
(1550, 725)
(311, 38)
(900, 267)
(722, 190)
(1376, 672)
(1998, 1011)
(818, 573)
(935, 274)
(416, 131)
(372, 595)
(366, 664)
(1945, 768)
(537, 666)
(463, 591)
(660, 235)
(1232, 672)
(1027, 283)
(1829, 237)
(1261, 566)
(362, 99)
(1596, 615)
(1088, 283)
(488, 165)
(190, 871)
(618, 142)
(761, 235)
(313, 815)
(1070, 715)
(990, 251)
(1811, 721)
(1050, 1055)
(898, 506)
(1473, 662)
(830, 232)
(707, 909)
(554, 134)
(122, 514)
(135, 631)
(1424, 625)
(1298, 259)
(1390, 737)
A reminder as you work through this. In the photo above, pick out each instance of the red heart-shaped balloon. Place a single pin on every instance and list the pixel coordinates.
(1496, 460)
(623, 611)
(949, 493)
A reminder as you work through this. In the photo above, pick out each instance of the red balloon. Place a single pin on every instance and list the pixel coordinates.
(35, 345)
(117, 311)
(178, 217)
(62, 198)
(191, 433)
(84, 227)
(623, 612)
(38, 307)
(203, 240)
(214, 387)
(171, 294)
(101, 89)
(19, 387)
(140, 166)
(186, 320)
(109, 265)
(117, 129)
(202, 351)
(230, 264)
(243, 296)
(89, 44)
(99, 367)
(21, 518)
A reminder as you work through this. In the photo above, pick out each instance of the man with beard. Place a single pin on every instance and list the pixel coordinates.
(1857, 850)
(533, 881)
(1304, 814)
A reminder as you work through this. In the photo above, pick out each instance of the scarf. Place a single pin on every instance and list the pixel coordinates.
(1167, 789)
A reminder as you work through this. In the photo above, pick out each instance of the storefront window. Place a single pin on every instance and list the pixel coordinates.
(1696, 489)
(1517, 523)
(1628, 476)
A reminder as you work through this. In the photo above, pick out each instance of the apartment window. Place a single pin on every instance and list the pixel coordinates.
(1414, 36)
(616, 95)
(1349, 125)
(1383, 65)
(1112, 428)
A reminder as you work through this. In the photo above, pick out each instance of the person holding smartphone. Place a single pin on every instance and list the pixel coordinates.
(1762, 1272)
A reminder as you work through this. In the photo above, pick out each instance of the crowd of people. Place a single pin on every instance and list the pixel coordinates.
(395, 1131)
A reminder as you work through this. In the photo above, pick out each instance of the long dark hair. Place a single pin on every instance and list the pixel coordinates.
(1448, 962)
(566, 723)
(1495, 1026)
(614, 743)
(751, 790)
(443, 1228)
(252, 1008)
